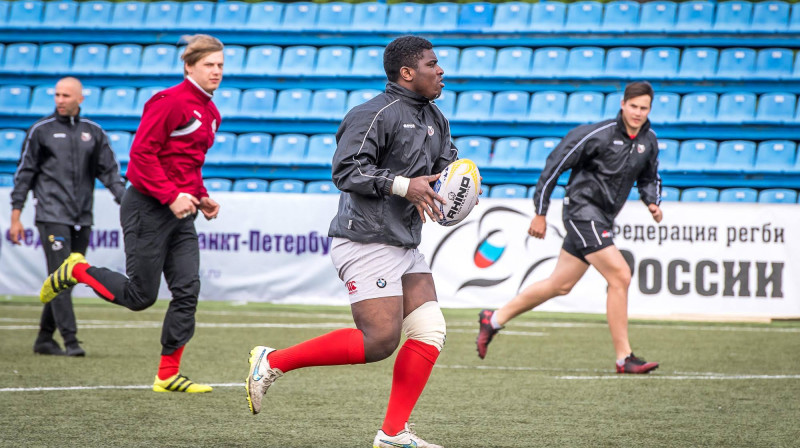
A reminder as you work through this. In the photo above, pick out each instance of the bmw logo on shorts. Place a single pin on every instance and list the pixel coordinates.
(381, 283)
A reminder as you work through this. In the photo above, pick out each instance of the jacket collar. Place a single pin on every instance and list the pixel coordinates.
(198, 91)
(624, 130)
(66, 119)
(413, 98)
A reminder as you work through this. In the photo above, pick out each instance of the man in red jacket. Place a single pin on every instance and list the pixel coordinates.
(158, 210)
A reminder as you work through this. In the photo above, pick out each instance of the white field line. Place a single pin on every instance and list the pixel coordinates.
(653, 376)
(130, 386)
(139, 325)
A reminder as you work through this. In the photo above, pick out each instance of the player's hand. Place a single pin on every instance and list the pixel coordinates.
(184, 205)
(538, 227)
(656, 212)
(422, 196)
(16, 232)
(209, 207)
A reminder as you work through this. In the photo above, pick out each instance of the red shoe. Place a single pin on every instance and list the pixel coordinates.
(485, 333)
(634, 364)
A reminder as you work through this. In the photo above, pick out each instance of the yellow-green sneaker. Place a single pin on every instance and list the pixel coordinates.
(179, 383)
(61, 278)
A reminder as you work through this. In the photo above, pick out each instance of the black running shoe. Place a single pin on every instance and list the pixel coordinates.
(633, 364)
(50, 347)
(485, 332)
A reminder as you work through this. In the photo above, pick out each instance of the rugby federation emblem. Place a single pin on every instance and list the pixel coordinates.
(459, 184)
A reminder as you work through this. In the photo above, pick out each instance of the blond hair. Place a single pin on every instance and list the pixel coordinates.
(199, 46)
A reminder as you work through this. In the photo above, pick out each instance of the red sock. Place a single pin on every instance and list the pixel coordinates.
(170, 364)
(345, 346)
(80, 274)
(411, 371)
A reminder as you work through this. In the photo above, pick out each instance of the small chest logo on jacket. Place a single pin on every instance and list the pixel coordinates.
(640, 148)
(85, 136)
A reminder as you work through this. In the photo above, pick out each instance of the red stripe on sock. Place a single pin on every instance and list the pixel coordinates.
(80, 274)
(170, 364)
(412, 368)
(344, 346)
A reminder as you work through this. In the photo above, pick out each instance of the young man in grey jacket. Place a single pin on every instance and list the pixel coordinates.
(389, 150)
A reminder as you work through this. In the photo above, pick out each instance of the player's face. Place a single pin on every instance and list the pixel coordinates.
(634, 112)
(428, 76)
(68, 98)
(207, 72)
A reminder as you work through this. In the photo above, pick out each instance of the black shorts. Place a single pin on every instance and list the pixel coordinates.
(586, 237)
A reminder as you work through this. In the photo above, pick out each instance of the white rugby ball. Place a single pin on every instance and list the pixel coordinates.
(459, 185)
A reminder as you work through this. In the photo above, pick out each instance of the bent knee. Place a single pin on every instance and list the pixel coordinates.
(426, 324)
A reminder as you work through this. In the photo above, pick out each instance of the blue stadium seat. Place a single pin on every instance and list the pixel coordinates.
(118, 101)
(158, 58)
(15, 98)
(736, 107)
(440, 16)
(538, 151)
(227, 100)
(621, 15)
(667, 154)
(477, 61)
(510, 106)
(775, 156)
(695, 15)
(670, 194)
(660, 62)
(120, 142)
(775, 107)
(584, 107)
(369, 16)
(549, 61)
(510, 152)
(658, 16)
(253, 148)
(733, 15)
(265, 15)
(263, 59)
(736, 63)
(774, 63)
(299, 15)
(777, 196)
(43, 99)
(221, 152)
(54, 58)
(699, 108)
(368, 61)
(514, 61)
(770, 16)
(333, 61)
(20, 57)
(361, 96)
(797, 59)
(697, 155)
(476, 16)
(625, 62)
(448, 59)
(90, 58)
(334, 16)
(144, 94)
(94, 13)
(124, 58)
(548, 106)
(512, 16)
(59, 13)
(320, 149)
(477, 149)
(161, 14)
(508, 191)
(197, 14)
(286, 186)
(3, 11)
(548, 16)
(217, 184)
(25, 12)
(634, 194)
(298, 60)
(293, 102)
(91, 99)
(584, 16)
(234, 59)
(698, 63)
(736, 156)
(289, 149)
(257, 103)
(559, 192)
(11, 141)
(738, 195)
(251, 185)
(231, 15)
(473, 105)
(665, 108)
(128, 14)
(585, 61)
(700, 194)
(612, 106)
(406, 17)
(328, 103)
(321, 187)
(446, 103)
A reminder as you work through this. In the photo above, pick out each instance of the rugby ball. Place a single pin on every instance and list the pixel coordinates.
(459, 185)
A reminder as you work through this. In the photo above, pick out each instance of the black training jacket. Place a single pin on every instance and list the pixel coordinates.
(397, 132)
(605, 163)
(61, 157)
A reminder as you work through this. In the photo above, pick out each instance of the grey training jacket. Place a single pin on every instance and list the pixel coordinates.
(61, 157)
(397, 132)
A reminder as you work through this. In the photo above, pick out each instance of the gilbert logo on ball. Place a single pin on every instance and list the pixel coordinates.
(459, 185)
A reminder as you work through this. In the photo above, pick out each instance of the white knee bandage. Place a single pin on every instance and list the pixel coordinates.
(426, 324)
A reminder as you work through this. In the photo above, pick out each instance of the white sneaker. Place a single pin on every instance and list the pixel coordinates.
(406, 438)
(261, 376)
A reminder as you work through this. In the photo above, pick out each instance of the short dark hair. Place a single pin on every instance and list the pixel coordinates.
(638, 88)
(405, 51)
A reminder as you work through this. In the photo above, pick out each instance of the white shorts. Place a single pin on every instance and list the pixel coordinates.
(374, 270)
